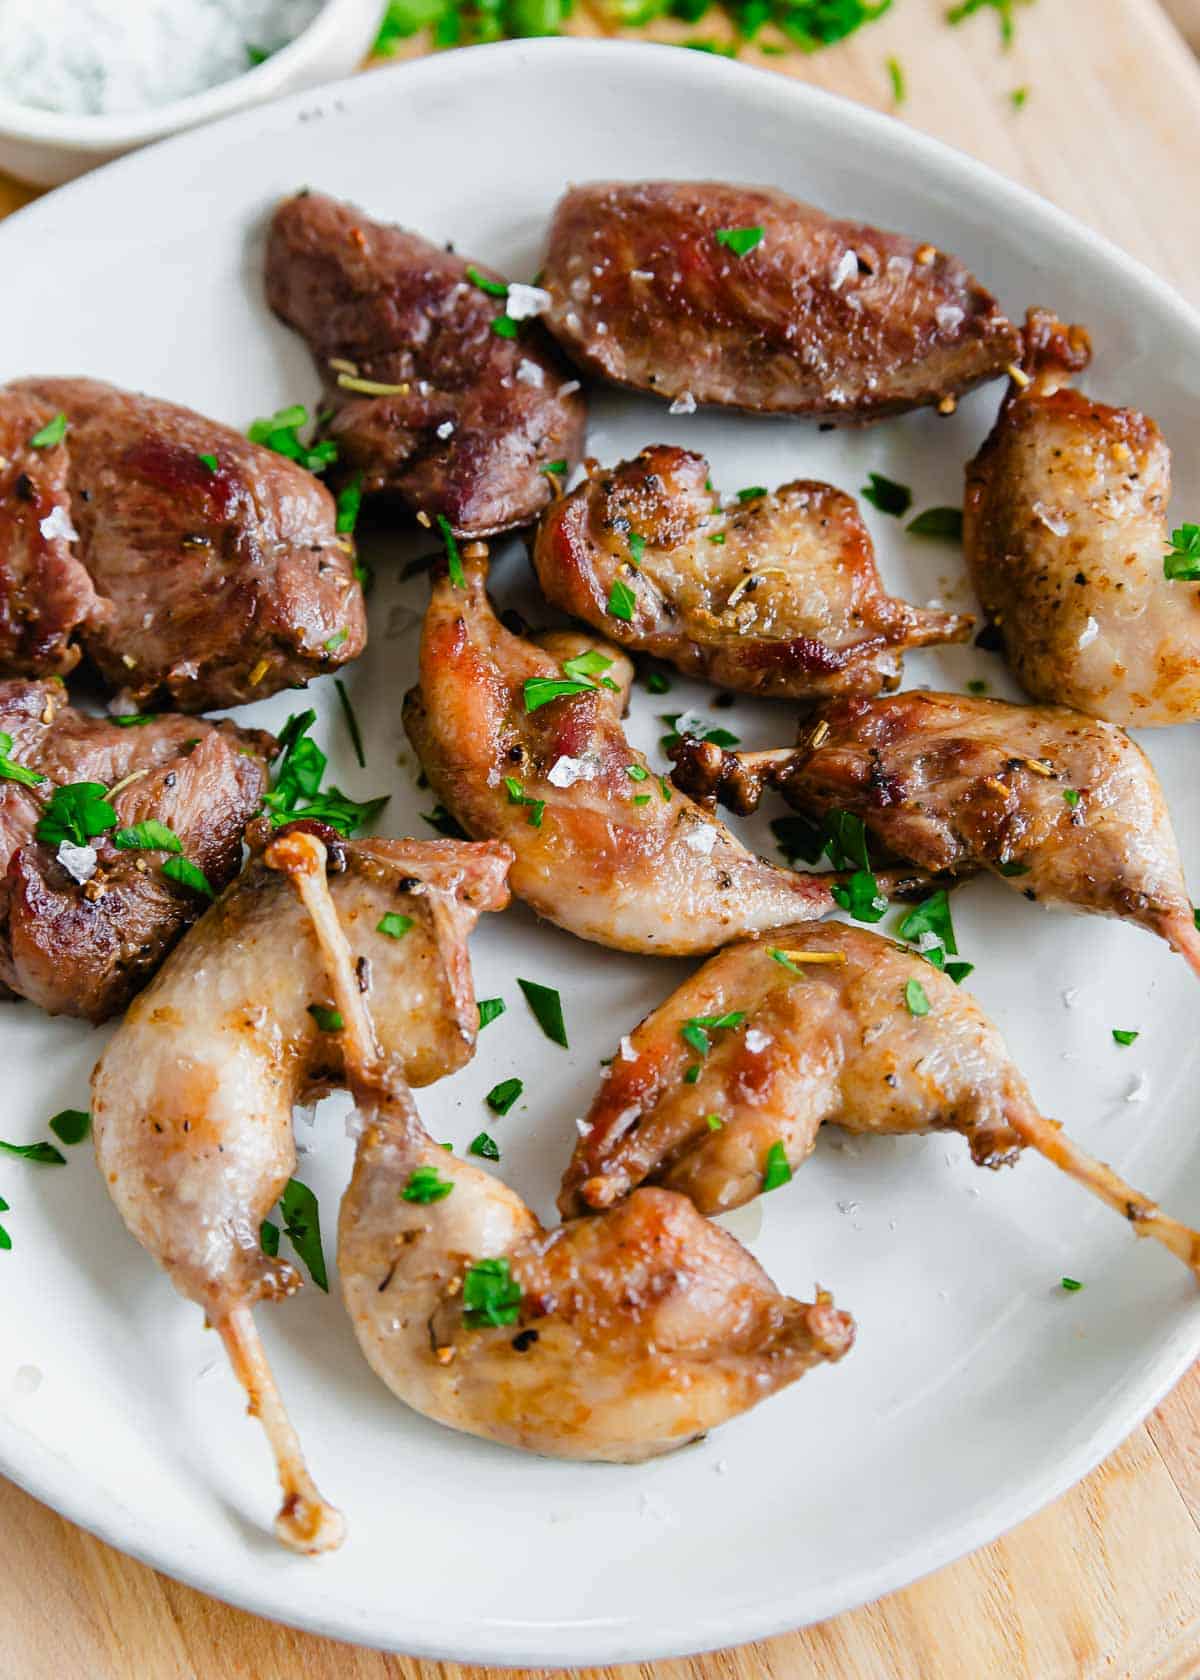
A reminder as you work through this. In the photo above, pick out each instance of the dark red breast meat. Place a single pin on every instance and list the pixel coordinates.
(208, 587)
(467, 418)
(84, 947)
(819, 317)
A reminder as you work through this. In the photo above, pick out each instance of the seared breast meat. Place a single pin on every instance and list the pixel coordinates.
(84, 947)
(209, 586)
(603, 846)
(1065, 809)
(812, 1026)
(776, 595)
(427, 401)
(814, 316)
(1065, 528)
(45, 591)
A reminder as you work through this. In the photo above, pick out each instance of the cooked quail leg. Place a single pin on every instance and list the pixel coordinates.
(619, 1337)
(603, 847)
(818, 317)
(1065, 529)
(428, 402)
(777, 595)
(827, 1034)
(192, 1100)
(1066, 810)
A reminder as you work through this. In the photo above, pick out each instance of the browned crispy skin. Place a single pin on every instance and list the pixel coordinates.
(1065, 528)
(45, 593)
(778, 595)
(401, 311)
(1065, 809)
(86, 949)
(210, 588)
(830, 1036)
(825, 318)
(612, 857)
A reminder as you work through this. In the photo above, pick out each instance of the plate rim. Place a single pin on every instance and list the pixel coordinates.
(37, 1469)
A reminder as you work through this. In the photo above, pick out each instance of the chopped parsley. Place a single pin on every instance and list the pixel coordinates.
(187, 874)
(539, 691)
(296, 790)
(329, 1020)
(1181, 564)
(490, 1294)
(621, 601)
(657, 682)
(71, 1125)
(281, 432)
(696, 1031)
(505, 327)
(352, 728)
(5, 1239)
(932, 915)
(454, 563)
(716, 737)
(42, 1154)
(784, 961)
(348, 504)
(977, 686)
(813, 24)
(861, 897)
(10, 771)
(425, 1186)
(135, 720)
(1012, 868)
(885, 494)
(915, 998)
(739, 240)
(1122, 1035)
(1071, 1285)
(494, 288)
(637, 773)
(1006, 10)
(393, 924)
(489, 1009)
(334, 642)
(76, 813)
(945, 522)
(895, 72)
(1072, 796)
(54, 431)
(209, 461)
(546, 1005)
(714, 1122)
(775, 1169)
(799, 837)
(149, 836)
(751, 492)
(637, 547)
(555, 468)
(502, 1097)
(485, 1146)
(268, 1238)
(581, 667)
(1018, 98)
(518, 796)
(302, 1227)
(691, 1077)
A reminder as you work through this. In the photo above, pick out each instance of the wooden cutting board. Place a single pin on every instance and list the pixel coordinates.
(1106, 1581)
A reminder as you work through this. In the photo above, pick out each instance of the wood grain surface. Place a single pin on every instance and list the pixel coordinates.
(1106, 1582)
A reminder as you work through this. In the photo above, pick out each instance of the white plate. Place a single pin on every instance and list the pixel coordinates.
(978, 1389)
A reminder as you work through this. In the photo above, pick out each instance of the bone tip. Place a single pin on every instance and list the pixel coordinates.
(296, 853)
(308, 1525)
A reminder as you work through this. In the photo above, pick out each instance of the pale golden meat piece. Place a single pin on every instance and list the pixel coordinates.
(604, 847)
(192, 1100)
(707, 292)
(1065, 529)
(618, 1337)
(1065, 809)
(777, 594)
(807, 1026)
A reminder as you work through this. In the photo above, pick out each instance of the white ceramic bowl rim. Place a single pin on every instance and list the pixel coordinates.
(121, 129)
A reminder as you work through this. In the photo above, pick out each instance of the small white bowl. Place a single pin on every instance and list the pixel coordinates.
(47, 148)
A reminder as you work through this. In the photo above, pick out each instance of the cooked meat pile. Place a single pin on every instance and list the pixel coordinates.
(191, 586)
(1065, 528)
(706, 293)
(776, 595)
(428, 400)
(85, 946)
(603, 847)
(1064, 809)
(849, 1030)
